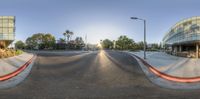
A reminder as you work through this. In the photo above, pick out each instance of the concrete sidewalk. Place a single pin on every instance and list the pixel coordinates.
(57, 51)
(172, 65)
(8, 65)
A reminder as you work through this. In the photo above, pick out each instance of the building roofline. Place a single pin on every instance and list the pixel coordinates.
(179, 22)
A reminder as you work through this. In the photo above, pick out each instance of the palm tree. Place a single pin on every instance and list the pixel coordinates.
(67, 34)
(70, 35)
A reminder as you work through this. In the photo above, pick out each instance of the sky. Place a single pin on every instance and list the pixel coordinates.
(98, 19)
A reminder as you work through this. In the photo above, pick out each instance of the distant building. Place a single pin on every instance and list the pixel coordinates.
(183, 39)
(7, 30)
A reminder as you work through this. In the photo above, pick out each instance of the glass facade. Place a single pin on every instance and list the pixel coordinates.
(7, 29)
(187, 30)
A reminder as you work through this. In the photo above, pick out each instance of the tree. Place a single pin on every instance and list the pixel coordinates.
(48, 41)
(160, 45)
(61, 40)
(61, 44)
(68, 34)
(19, 45)
(79, 43)
(124, 43)
(71, 33)
(35, 41)
(30, 43)
(154, 46)
(41, 41)
(107, 44)
(140, 45)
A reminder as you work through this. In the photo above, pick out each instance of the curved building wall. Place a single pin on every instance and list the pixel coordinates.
(187, 30)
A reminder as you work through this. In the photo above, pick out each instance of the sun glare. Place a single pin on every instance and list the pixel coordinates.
(99, 45)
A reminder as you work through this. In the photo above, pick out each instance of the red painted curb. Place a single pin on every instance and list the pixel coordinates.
(169, 77)
(16, 72)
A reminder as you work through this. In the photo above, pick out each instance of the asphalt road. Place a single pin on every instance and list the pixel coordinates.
(94, 75)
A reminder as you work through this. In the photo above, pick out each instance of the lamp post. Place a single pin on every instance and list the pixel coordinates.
(86, 42)
(136, 18)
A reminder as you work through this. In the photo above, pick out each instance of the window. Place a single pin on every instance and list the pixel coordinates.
(11, 30)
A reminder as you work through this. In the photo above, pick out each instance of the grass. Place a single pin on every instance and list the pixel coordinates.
(5, 53)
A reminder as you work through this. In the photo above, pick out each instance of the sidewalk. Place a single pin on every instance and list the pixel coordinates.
(15, 69)
(9, 65)
(172, 65)
(57, 51)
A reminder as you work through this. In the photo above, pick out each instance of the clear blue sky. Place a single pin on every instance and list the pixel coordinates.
(99, 19)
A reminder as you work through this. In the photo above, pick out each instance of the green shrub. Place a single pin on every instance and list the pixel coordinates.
(18, 52)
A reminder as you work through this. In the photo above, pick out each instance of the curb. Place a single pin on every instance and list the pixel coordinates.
(18, 71)
(16, 77)
(167, 76)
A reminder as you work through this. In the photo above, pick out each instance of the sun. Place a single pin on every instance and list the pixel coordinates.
(99, 45)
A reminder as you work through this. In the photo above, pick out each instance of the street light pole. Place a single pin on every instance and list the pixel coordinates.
(86, 42)
(144, 39)
(135, 18)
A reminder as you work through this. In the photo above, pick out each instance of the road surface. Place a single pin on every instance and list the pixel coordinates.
(93, 75)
